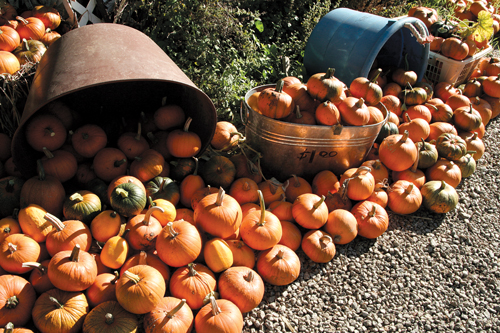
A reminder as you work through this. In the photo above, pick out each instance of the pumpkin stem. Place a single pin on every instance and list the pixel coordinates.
(179, 306)
(407, 117)
(220, 197)
(187, 124)
(75, 253)
(246, 186)
(443, 185)
(337, 238)
(329, 73)
(250, 276)
(9, 328)
(149, 212)
(279, 86)
(373, 212)
(6, 230)
(47, 152)
(132, 277)
(12, 248)
(53, 299)
(409, 189)
(195, 172)
(122, 192)
(171, 230)
(262, 220)
(56, 223)
(12, 302)
(34, 264)
(280, 254)
(404, 137)
(41, 170)
(152, 137)
(119, 162)
(9, 187)
(115, 279)
(325, 240)
(139, 131)
(360, 102)
(298, 114)
(143, 256)
(317, 204)
(378, 72)
(109, 319)
(215, 307)
(192, 271)
(76, 197)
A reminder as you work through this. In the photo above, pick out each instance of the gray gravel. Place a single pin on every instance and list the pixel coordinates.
(428, 272)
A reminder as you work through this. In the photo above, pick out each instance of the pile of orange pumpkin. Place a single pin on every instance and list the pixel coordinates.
(453, 40)
(24, 38)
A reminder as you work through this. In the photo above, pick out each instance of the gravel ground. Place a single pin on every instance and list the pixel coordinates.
(428, 272)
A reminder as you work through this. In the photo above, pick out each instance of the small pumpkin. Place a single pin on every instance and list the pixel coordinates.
(219, 316)
(310, 211)
(275, 103)
(398, 152)
(171, 314)
(192, 283)
(325, 86)
(242, 286)
(451, 146)
(342, 226)
(218, 256)
(82, 205)
(439, 197)
(17, 298)
(179, 243)
(128, 199)
(318, 246)
(278, 265)
(219, 171)
(183, 143)
(372, 219)
(30, 51)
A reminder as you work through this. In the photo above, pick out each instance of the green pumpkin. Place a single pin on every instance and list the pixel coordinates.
(219, 171)
(10, 194)
(128, 199)
(413, 96)
(163, 188)
(442, 29)
(467, 164)
(428, 154)
(438, 196)
(181, 168)
(451, 146)
(82, 206)
(387, 129)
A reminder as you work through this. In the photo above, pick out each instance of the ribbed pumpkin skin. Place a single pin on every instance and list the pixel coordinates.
(131, 203)
(82, 205)
(193, 283)
(451, 146)
(123, 321)
(179, 243)
(143, 296)
(372, 219)
(218, 220)
(398, 152)
(18, 287)
(159, 321)
(69, 275)
(49, 317)
(228, 320)
(279, 265)
(439, 197)
(242, 286)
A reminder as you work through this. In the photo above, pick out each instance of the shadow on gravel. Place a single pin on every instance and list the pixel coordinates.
(356, 248)
(421, 222)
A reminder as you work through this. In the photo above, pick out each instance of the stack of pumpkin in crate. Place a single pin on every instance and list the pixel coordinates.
(24, 38)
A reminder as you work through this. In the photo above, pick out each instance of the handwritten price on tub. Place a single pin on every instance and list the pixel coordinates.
(311, 154)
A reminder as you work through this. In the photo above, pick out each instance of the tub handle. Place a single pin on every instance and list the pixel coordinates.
(337, 129)
(418, 30)
(244, 119)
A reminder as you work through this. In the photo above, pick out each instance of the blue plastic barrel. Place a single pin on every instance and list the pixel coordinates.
(350, 41)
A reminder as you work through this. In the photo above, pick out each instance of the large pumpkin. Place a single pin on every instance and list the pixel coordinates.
(17, 297)
(140, 289)
(60, 311)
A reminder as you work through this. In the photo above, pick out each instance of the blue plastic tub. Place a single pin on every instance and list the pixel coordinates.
(350, 41)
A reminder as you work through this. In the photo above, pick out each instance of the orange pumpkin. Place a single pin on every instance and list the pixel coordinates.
(342, 226)
(275, 103)
(183, 143)
(318, 246)
(325, 86)
(398, 152)
(372, 219)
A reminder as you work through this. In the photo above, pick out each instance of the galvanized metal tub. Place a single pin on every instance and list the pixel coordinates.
(105, 72)
(305, 150)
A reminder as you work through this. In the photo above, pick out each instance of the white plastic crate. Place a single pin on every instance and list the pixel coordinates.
(441, 68)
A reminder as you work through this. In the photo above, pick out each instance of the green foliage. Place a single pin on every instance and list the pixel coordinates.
(227, 47)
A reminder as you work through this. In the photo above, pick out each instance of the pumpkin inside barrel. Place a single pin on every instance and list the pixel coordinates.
(105, 73)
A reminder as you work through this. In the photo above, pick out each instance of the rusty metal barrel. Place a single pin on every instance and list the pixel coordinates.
(305, 150)
(105, 72)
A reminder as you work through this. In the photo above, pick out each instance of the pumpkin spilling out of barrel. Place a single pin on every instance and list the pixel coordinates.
(149, 231)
